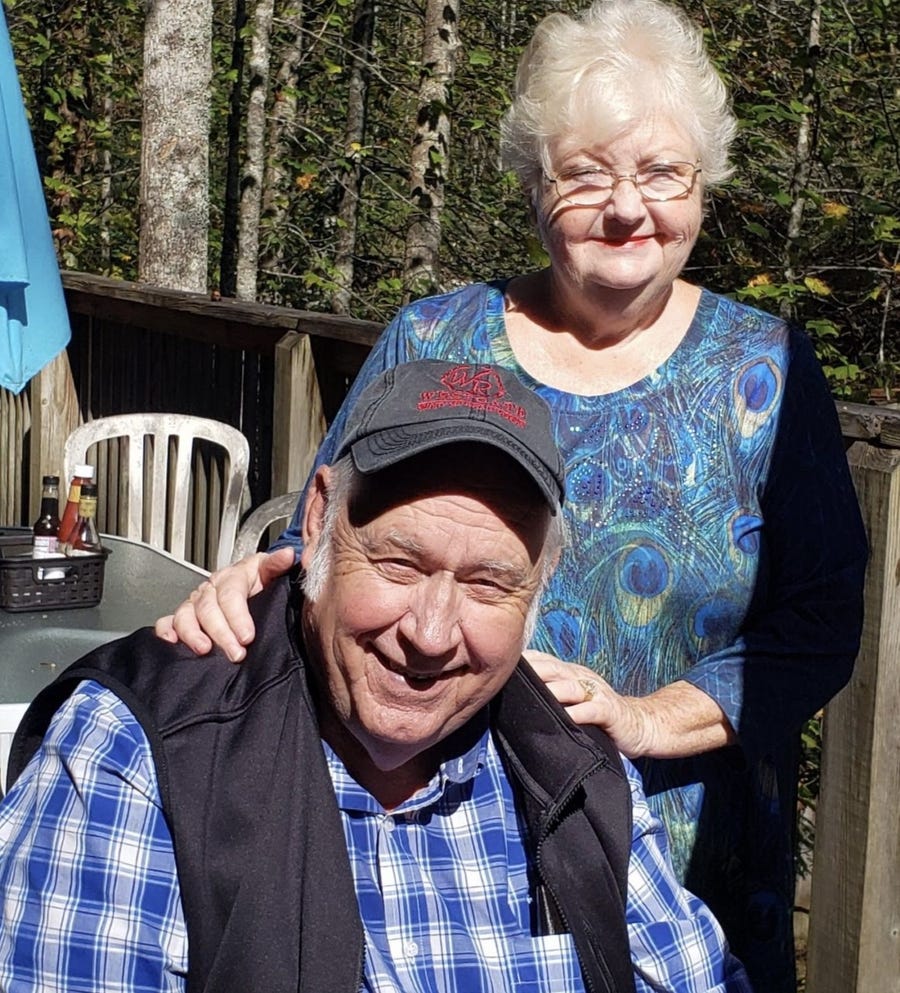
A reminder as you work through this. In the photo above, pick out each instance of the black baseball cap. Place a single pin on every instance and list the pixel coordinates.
(424, 404)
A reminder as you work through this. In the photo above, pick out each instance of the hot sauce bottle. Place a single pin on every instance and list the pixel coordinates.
(83, 473)
(84, 538)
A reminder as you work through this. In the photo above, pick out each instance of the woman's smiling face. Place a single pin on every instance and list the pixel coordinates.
(626, 244)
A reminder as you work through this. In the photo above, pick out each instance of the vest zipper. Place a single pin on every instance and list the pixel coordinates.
(552, 819)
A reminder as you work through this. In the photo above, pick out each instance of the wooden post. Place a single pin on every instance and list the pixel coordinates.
(54, 412)
(14, 425)
(854, 940)
(299, 424)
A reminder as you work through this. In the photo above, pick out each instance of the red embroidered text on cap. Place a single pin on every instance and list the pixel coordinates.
(478, 389)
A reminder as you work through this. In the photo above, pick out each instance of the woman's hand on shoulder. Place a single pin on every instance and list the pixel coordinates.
(216, 613)
(589, 699)
(676, 720)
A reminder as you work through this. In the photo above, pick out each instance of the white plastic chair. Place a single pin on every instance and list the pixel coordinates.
(156, 477)
(280, 508)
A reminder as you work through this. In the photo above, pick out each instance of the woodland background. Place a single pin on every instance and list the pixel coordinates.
(341, 155)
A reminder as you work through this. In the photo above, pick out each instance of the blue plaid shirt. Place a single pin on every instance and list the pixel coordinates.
(91, 902)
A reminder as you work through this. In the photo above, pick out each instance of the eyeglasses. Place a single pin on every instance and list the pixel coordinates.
(656, 183)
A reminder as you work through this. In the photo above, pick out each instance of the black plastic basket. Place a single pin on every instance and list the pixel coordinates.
(60, 583)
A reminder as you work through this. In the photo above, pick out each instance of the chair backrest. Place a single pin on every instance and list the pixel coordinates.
(280, 508)
(151, 470)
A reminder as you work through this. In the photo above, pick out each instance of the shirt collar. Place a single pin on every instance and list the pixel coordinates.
(457, 769)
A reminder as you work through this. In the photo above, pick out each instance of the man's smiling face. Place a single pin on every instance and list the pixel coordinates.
(422, 616)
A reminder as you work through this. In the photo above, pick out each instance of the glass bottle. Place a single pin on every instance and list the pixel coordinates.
(84, 539)
(46, 527)
(83, 473)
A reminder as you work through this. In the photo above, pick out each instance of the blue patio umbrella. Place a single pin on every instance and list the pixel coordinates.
(34, 323)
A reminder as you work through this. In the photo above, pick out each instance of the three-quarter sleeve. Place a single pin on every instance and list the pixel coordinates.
(800, 637)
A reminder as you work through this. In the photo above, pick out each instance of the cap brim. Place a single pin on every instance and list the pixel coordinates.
(394, 445)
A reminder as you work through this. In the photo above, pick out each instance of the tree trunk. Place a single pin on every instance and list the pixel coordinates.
(803, 150)
(283, 117)
(430, 159)
(175, 144)
(254, 161)
(105, 168)
(354, 138)
(228, 262)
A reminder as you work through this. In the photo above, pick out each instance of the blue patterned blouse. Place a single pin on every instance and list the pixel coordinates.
(715, 538)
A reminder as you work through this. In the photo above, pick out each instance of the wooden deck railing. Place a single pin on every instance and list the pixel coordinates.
(854, 926)
(280, 375)
(277, 374)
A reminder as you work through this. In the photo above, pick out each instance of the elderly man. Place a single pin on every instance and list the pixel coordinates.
(385, 797)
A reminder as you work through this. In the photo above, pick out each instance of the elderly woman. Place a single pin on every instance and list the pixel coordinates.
(710, 597)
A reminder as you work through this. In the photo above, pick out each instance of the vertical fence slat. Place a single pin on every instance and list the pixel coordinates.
(54, 413)
(299, 424)
(854, 935)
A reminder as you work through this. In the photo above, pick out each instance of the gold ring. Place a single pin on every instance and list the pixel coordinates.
(590, 688)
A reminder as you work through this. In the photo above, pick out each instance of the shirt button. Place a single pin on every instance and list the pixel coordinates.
(388, 823)
(411, 949)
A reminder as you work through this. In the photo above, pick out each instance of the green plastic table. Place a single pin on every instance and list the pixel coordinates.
(140, 584)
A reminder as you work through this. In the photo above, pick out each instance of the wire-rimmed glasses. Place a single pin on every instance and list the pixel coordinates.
(592, 186)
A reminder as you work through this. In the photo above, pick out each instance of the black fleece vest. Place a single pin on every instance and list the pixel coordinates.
(265, 879)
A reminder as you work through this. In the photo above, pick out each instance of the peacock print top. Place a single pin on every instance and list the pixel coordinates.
(714, 537)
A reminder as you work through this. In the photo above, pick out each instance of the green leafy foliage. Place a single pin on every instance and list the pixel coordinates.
(836, 275)
(808, 791)
(79, 67)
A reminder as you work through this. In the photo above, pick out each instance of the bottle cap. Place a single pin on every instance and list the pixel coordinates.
(51, 481)
(88, 490)
(83, 469)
